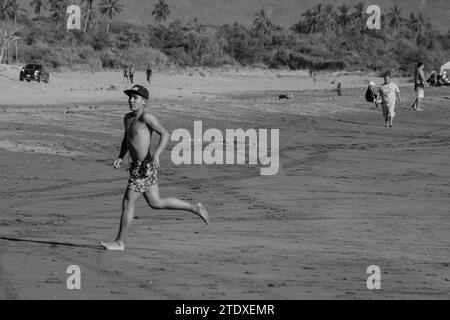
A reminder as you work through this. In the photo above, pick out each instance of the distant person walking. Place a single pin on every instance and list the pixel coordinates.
(132, 74)
(312, 73)
(390, 95)
(149, 73)
(339, 89)
(419, 86)
(125, 74)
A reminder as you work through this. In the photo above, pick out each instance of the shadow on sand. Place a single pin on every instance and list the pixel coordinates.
(54, 243)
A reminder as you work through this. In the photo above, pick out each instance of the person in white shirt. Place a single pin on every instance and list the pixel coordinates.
(390, 95)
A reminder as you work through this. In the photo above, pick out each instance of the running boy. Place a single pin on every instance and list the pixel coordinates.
(139, 128)
(390, 95)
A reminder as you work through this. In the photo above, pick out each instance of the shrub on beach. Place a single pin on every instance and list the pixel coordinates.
(295, 60)
(141, 57)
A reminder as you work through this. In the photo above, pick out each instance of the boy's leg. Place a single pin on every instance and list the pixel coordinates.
(391, 115)
(156, 202)
(128, 204)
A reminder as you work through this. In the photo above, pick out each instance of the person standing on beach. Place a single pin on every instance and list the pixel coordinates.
(125, 74)
(149, 73)
(419, 86)
(339, 89)
(390, 95)
(371, 96)
(139, 128)
(132, 74)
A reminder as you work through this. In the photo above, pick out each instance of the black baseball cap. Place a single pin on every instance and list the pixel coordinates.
(139, 90)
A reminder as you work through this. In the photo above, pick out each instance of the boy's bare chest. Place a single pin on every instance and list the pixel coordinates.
(135, 127)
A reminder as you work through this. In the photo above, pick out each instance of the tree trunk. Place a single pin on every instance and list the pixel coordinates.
(107, 26)
(95, 26)
(2, 51)
(88, 14)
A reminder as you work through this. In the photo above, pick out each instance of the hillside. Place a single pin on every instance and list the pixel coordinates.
(323, 42)
(283, 12)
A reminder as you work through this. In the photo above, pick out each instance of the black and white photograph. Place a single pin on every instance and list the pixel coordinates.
(218, 150)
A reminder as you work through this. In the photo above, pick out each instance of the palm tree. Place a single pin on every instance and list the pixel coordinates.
(418, 24)
(161, 11)
(89, 12)
(310, 22)
(394, 17)
(39, 6)
(7, 38)
(358, 12)
(14, 10)
(358, 15)
(313, 19)
(58, 11)
(328, 18)
(262, 23)
(4, 9)
(318, 13)
(343, 18)
(109, 9)
(9, 10)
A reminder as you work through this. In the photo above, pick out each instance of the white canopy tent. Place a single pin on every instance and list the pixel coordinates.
(445, 67)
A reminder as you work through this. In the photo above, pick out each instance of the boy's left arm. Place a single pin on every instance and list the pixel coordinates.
(153, 123)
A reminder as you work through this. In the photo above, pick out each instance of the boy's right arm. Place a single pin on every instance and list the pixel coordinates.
(123, 147)
(123, 151)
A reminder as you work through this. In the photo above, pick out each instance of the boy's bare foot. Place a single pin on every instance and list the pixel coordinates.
(201, 211)
(113, 245)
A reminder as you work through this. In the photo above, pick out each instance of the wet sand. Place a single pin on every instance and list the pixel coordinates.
(350, 193)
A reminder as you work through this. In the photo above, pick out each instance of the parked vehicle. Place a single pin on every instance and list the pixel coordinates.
(34, 71)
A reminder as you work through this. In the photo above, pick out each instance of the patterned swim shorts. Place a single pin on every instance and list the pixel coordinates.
(143, 175)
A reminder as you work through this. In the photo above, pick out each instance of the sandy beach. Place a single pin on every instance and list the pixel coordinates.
(349, 193)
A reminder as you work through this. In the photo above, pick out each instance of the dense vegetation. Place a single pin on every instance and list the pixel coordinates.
(324, 38)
